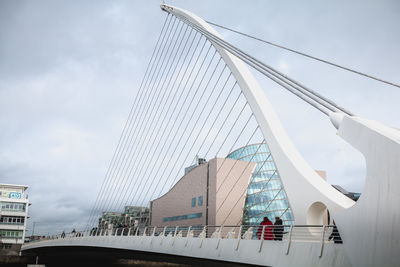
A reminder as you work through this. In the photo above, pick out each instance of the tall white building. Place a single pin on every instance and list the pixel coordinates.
(13, 215)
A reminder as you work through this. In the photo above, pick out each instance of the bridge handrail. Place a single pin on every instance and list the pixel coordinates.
(287, 233)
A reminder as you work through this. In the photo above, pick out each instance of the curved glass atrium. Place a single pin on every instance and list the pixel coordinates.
(266, 196)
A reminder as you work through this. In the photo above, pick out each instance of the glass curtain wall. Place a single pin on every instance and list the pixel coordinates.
(266, 196)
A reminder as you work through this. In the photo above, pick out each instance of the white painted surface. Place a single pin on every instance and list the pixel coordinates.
(273, 253)
(371, 228)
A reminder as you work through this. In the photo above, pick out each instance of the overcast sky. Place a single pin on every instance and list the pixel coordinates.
(69, 71)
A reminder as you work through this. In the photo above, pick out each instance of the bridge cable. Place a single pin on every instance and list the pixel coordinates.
(307, 55)
(160, 118)
(274, 75)
(246, 189)
(157, 124)
(179, 112)
(195, 124)
(141, 181)
(174, 97)
(139, 116)
(232, 187)
(144, 144)
(254, 175)
(204, 123)
(271, 71)
(167, 58)
(122, 136)
(193, 98)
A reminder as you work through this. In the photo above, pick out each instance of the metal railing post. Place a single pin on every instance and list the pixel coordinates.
(262, 238)
(144, 234)
(322, 241)
(163, 234)
(289, 239)
(203, 236)
(152, 235)
(239, 237)
(175, 233)
(220, 235)
(187, 235)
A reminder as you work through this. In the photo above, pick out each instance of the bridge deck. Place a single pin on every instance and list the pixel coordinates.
(267, 253)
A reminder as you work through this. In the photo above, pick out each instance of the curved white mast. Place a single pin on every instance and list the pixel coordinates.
(302, 184)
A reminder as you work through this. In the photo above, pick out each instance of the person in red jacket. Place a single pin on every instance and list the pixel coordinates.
(268, 230)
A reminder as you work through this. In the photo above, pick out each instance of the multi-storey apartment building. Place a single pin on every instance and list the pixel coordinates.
(13, 215)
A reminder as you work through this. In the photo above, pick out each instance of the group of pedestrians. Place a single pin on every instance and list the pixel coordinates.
(272, 231)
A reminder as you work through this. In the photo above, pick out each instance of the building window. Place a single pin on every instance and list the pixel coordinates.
(11, 234)
(183, 217)
(18, 207)
(194, 202)
(200, 202)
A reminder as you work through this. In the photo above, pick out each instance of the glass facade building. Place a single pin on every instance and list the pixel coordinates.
(266, 196)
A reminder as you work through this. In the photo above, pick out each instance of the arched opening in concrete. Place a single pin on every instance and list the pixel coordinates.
(318, 214)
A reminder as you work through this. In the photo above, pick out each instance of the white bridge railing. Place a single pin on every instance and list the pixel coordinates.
(286, 233)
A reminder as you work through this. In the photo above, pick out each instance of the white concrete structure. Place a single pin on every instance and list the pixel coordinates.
(14, 205)
(268, 253)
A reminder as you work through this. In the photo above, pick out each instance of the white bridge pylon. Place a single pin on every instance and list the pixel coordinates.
(303, 186)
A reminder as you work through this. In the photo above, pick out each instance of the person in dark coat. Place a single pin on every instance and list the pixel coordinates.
(268, 233)
(278, 229)
(335, 235)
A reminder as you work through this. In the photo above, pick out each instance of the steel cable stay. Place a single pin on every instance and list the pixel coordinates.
(149, 81)
(149, 68)
(233, 125)
(268, 71)
(245, 191)
(235, 142)
(163, 115)
(198, 118)
(310, 96)
(234, 164)
(148, 114)
(186, 111)
(173, 99)
(202, 127)
(259, 192)
(220, 128)
(114, 184)
(133, 107)
(191, 72)
(139, 115)
(194, 127)
(184, 101)
(212, 125)
(225, 120)
(156, 115)
(307, 55)
(195, 124)
(141, 163)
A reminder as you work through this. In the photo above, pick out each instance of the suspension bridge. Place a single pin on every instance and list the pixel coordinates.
(200, 109)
